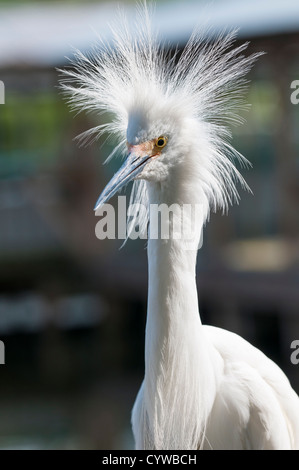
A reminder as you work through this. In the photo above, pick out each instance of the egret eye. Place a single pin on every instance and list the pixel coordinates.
(161, 142)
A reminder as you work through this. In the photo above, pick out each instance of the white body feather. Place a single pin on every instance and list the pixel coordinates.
(204, 388)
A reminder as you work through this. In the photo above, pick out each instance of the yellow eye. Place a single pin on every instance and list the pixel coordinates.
(161, 142)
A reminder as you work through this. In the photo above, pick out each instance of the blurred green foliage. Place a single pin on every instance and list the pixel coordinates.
(32, 129)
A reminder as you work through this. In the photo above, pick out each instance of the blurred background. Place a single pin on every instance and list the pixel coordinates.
(73, 308)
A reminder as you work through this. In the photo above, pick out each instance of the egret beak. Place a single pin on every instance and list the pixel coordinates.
(132, 166)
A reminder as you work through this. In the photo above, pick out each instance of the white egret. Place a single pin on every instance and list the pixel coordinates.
(204, 387)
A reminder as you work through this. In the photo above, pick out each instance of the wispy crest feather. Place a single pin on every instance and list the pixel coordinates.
(206, 82)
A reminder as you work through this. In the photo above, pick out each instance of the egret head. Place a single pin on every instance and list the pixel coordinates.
(154, 144)
(165, 109)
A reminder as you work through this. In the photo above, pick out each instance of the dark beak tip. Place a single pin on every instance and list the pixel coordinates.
(131, 168)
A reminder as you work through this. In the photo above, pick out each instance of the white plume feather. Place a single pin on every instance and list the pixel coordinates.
(206, 84)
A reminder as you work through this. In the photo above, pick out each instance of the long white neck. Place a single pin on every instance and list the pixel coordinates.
(179, 376)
